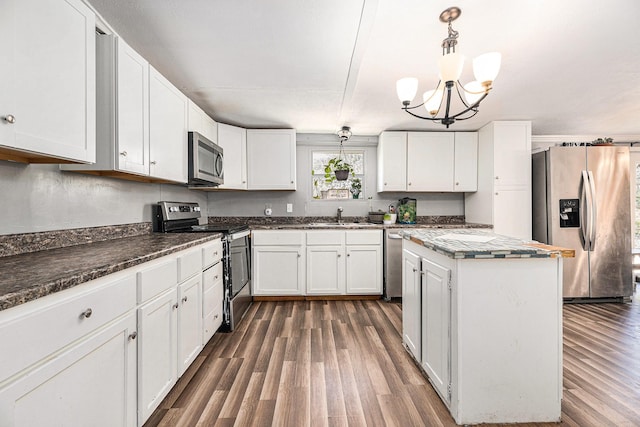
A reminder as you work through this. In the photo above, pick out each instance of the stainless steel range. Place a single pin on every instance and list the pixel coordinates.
(182, 217)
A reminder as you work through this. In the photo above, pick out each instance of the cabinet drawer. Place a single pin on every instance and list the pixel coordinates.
(211, 276)
(325, 237)
(189, 264)
(60, 319)
(278, 238)
(211, 253)
(156, 278)
(364, 237)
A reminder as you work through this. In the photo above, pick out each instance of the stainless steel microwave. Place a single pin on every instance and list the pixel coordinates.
(206, 161)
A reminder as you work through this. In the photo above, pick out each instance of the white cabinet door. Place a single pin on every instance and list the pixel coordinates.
(132, 111)
(92, 382)
(392, 161)
(430, 161)
(507, 218)
(271, 159)
(364, 269)
(436, 321)
(233, 140)
(200, 122)
(411, 295)
(278, 270)
(157, 352)
(168, 110)
(512, 151)
(47, 81)
(325, 270)
(189, 322)
(466, 161)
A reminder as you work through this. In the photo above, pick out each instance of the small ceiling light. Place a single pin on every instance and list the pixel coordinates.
(485, 70)
(344, 134)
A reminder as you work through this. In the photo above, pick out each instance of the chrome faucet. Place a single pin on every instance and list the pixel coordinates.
(339, 215)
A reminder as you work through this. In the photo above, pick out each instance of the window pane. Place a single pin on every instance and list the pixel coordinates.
(353, 184)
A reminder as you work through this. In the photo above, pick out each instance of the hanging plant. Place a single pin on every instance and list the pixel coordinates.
(337, 170)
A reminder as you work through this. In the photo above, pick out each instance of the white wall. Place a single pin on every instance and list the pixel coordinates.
(43, 198)
(252, 203)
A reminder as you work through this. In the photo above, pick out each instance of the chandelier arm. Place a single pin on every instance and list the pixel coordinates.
(474, 107)
(433, 119)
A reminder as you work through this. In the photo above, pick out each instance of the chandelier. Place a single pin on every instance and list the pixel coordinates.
(438, 100)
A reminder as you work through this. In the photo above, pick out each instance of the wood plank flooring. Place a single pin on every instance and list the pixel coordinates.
(342, 363)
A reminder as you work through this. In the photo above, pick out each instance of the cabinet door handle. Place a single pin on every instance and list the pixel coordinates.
(215, 277)
(9, 118)
(348, 254)
(497, 177)
(292, 182)
(123, 153)
(174, 306)
(153, 162)
(409, 183)
(133, 335)
(339, 255)
(457, 183)
(298, 255)
(184, 299)
(244, 182)
(86, 314)
(215, 317)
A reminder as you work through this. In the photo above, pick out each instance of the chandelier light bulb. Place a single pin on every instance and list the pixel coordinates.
(432, 100)
(473, 91)
(486, 67)
(407, 89)
(450, 66)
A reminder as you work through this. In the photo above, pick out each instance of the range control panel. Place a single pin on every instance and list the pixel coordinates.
(179, 210)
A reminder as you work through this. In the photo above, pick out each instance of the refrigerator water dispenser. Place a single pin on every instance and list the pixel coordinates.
(569, 213)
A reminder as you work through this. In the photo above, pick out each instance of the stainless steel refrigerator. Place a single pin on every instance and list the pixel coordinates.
(581, 200)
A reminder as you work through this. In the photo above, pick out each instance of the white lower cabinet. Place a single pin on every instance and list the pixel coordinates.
(317, 262)
(411, 303)
(157, 353)
(212, 296)
(189, 322)
(93, 382)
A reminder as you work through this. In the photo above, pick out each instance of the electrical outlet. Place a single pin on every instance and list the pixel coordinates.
(289, 207)
(267, 209)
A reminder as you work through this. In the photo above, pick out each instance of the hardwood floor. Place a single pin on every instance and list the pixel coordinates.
(339, 363)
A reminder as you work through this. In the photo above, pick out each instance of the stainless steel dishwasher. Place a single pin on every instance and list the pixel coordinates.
(392, 264)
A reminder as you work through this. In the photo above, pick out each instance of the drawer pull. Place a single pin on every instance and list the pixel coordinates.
(184, 299)
(215, 317)
(86, 314)
(133, 335)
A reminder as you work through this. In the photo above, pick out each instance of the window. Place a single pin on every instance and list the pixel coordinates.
(326, 187)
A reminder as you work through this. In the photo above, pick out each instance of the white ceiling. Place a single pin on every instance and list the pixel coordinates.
(569, 66)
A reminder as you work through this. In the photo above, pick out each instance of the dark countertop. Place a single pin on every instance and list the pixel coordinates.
(28, 276)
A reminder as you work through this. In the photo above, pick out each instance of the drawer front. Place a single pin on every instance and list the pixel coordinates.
(156, 279)
(61, 319)
(211, 276)
(277, 238)
(364, 237)
(212, 253)
(325, 237)
(189, 264)
(212, 311)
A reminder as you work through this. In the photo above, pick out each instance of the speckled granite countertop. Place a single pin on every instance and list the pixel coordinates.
(476, 243)
(28, 276)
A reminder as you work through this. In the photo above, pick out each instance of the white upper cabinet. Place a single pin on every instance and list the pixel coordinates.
(47, 81)
(465, 162)
(168, 110)
(271, 159)
(392, 161)
(427, 161)
(233, 141)
(200, 122)
(430, 161)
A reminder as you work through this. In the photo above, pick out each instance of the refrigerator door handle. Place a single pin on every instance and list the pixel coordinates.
(594, 211)
(585, 203)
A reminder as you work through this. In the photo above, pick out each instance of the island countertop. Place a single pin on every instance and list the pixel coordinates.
(481, 243)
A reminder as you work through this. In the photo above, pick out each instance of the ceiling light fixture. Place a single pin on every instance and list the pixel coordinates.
(485, 69)
(344, 134)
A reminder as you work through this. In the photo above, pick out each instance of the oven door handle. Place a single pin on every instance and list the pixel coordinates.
(239, 235)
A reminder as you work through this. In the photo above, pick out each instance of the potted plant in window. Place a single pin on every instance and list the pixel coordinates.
(337, 169)
(356, 187)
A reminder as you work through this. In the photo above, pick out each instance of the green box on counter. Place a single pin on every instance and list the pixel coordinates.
(406, 211)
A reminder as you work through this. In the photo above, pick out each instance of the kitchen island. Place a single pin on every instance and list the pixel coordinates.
(482, 315)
